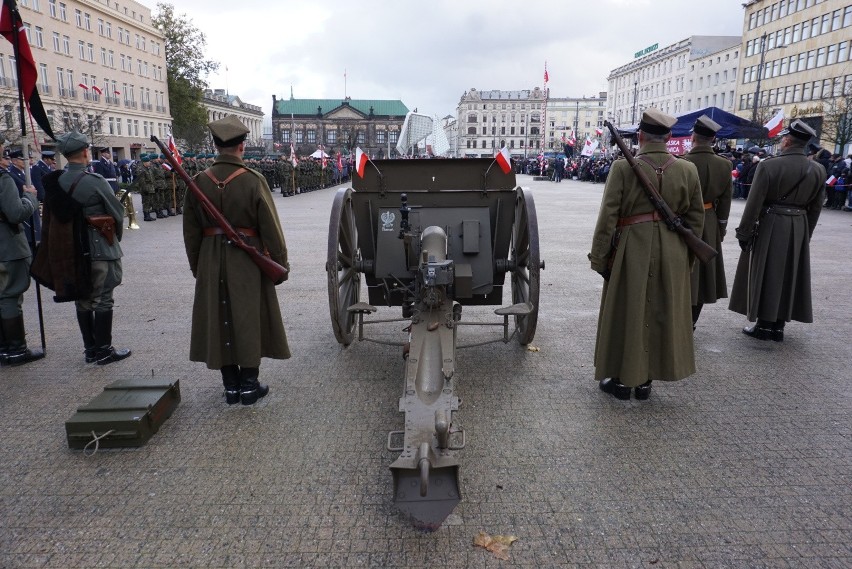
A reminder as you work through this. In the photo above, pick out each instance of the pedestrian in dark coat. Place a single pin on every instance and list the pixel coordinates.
(714, 172)
(236, 319)
(645, 325)
(773, 279)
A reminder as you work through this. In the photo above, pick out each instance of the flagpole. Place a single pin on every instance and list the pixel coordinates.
(544, 115)
(16, 23)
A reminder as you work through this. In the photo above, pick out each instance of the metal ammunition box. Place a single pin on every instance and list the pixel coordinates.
(126, 414)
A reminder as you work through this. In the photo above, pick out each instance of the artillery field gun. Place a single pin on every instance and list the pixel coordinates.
(432, 236)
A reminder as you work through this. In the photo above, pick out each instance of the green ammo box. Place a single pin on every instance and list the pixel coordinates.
(126, 414)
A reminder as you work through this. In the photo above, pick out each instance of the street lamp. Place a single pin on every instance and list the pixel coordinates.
(763, 51)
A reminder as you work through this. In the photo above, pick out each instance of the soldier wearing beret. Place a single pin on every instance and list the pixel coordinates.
(714, 173)
(93, 192)
(15, 259)
(644, 324)
(772, 284)
(236, 319)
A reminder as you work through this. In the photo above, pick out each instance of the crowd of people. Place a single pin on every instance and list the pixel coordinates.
(584, 168)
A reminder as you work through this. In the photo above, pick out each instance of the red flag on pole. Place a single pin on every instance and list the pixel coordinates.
(12, 28)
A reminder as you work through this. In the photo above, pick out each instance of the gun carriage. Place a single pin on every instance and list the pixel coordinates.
(431, 237)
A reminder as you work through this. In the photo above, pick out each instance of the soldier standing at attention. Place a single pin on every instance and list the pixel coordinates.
(143, 182)
(236, 319)
(15, 259)
(106, 168)
(773, 280)
(644, 321)
(714, 172)
(94, 314)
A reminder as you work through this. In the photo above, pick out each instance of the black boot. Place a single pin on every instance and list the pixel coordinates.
(642, 392)
(761, 331)
(777, 334)
(171, 212)
(17, 352)
(250, 388)
(4, 345)
(148, 217)
(696, 312)
(86, 320)
(231, 381)
(160, 215)
(614, 387)
(180, 211)
(105, 353)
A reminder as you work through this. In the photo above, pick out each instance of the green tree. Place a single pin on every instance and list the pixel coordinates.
(186, 69)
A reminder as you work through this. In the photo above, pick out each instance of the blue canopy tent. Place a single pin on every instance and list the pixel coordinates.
(732, 125)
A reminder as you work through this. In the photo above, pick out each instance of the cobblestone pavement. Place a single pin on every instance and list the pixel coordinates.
(748, 463)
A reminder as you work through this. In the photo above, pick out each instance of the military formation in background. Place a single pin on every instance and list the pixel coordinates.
(163, 191)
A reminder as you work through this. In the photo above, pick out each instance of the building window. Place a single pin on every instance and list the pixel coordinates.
(51, 8)
(87, 22)
(39, 37)
(78, 18)
(299, 136)
(361, 137)
(66, 45)
(331, 136)
(394, 136)
(312, 136)
(381, 137)
(63, 12)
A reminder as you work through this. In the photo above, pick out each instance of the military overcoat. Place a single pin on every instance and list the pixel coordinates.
(773, 280)
(714, 173)
(236, 318)
(645, 319)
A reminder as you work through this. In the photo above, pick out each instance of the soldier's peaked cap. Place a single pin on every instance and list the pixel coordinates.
(705, 126)
(799, 129)
(71, 142)
(228, 131)
(656, 122)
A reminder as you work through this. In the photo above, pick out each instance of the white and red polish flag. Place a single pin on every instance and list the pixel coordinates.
(598, 131)
(775, 124)
(173, 149)
(293, 158)
(504, 160)
(831, 181)
(360, 161)
(97, 89)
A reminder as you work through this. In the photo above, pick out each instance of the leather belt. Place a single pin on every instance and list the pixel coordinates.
(785, 209)
(640, 218)
(244, 231)
(110, 179)
(708, 205)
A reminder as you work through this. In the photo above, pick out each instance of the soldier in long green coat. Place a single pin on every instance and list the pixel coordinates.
(644, 325)
(714, 173)
(773, 280)
(236, 319)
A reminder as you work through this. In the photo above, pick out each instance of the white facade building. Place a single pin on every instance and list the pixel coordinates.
(220, 104)
(490, 120)
(674, 79)
(101, 70)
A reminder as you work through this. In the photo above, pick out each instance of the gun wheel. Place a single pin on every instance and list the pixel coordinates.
(525, 263)
(344, 280)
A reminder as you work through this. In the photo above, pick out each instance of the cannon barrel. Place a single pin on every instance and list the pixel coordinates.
(432, 236)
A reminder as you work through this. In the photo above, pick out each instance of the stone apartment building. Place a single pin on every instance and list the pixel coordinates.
(679, 78)
(102, 70)
(797, 57)
(220, 104)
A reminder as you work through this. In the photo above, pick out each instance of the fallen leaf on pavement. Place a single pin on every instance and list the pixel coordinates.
(498, 544)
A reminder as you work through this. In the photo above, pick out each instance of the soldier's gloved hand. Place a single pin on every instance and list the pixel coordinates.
(606, 273)
(744, 245)
(722, 232)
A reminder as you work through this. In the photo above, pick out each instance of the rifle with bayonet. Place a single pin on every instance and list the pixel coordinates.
(273, 271)
(699, 248)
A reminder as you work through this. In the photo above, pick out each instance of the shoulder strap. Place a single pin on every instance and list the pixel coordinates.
(659, 170)
(75, 182)
(796, 185)
(221, 184)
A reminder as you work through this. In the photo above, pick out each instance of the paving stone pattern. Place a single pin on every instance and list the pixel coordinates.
(746, 464)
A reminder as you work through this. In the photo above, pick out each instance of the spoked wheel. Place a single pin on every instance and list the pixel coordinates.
(525, 263)
(344, 280)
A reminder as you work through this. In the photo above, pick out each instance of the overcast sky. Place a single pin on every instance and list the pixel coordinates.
(427, 54)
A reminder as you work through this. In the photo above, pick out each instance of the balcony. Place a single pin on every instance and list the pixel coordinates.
(146, 106)
(129, 104)
(95, 97)
(161, 109)
(4, 82)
